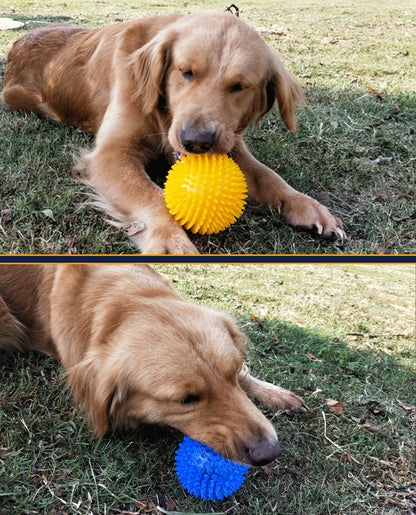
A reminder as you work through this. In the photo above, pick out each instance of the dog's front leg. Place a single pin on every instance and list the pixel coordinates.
(267, 187)
(115, 171)
(269, 394)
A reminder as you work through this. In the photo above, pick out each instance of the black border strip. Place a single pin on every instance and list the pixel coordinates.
(209, 259)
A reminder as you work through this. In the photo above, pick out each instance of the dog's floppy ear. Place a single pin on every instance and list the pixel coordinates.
(148, 66)
(237, 336)
(281, 86)
(99, 392)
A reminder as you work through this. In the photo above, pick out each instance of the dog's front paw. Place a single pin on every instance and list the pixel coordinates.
(167, 239)
(170, 246)
(283, 399)
(303, 211)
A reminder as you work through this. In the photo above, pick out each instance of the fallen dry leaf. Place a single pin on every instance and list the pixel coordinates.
(373, 428)
(329, 41)
(311, 356)
(7, 214)
(382, 196)
(376, 93)
(406, 407)
(335, 406)
(70, 247)
(382, 250)
(380, 160)
(145, 506)
(48, 213)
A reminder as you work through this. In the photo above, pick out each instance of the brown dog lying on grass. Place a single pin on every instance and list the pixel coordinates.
(168, 84)
(134, 352)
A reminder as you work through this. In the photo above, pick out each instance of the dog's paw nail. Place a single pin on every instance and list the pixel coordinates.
(341, 234)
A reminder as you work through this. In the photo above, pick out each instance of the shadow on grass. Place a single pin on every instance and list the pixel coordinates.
(37, 20)
(49, 456)
(306, 352)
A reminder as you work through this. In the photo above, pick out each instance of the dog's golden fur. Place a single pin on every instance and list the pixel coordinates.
(134, 352)
(167, 84)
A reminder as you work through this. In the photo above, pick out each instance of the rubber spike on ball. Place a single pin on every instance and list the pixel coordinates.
(206, 474)
(205, 192)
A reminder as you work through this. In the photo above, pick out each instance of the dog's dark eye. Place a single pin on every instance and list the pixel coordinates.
(190, 399)
(236, 87)
(188, 74)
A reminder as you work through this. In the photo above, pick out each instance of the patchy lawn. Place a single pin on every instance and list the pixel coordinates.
(341, 336)
(355, 149)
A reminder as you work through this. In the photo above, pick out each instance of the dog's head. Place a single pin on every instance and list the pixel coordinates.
(166, 361)
(214, 75)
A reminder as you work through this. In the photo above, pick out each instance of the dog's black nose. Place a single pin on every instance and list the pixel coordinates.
(263, 452)
(197, 140)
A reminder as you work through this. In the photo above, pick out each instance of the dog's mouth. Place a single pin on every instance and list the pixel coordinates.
(177, 156)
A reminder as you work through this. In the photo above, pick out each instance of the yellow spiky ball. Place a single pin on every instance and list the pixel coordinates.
(205, 192)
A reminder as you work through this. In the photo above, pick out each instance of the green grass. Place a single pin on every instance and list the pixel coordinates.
(341, 332)
(354, 61)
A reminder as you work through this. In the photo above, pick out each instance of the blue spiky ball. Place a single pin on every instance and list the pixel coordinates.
(206, 474)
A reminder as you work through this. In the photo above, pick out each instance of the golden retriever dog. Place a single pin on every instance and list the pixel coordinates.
(134, 352)
(168, 84)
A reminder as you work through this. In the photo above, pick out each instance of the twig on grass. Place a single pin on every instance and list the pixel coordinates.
(338, 447)
(380, 335)
(27, 429)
